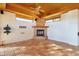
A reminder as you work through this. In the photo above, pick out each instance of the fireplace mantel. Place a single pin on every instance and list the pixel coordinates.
(40, 26)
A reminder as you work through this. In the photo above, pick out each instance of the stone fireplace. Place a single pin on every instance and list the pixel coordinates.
(40, 30)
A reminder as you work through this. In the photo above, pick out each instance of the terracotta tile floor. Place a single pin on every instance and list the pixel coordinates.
(37, 48)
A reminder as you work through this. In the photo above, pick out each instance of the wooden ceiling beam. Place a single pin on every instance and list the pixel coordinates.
(24, 8)
(55, 15)
(2, 6)
(51, 10)
(20, 10)
(21, 15)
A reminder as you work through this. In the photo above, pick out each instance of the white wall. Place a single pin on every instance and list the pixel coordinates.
(66, 29)
(16, 34)
(78, 27)
(0, 30)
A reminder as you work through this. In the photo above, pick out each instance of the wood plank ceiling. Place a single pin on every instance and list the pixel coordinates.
(39, 10)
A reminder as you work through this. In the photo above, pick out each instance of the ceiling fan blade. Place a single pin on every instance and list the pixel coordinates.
(42, 10)
(38, 10)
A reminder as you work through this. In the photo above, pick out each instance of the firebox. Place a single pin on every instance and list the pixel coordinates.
(40, 32)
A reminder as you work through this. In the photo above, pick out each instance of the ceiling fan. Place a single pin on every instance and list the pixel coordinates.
(38, 9)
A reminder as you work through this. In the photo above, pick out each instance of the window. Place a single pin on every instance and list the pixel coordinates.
(25, 23)
(25, 20)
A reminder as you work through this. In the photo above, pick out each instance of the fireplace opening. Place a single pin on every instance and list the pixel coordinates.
(40, 32)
